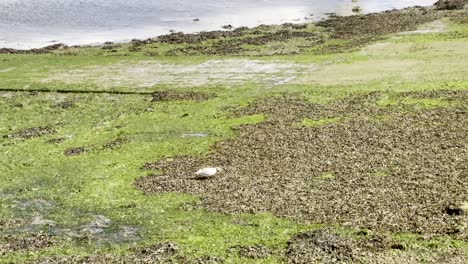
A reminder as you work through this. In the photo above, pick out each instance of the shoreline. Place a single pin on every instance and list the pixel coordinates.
(228, 31)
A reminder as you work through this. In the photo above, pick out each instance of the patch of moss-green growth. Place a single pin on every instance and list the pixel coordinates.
(415, 102)
(327, 176)
(382, 118)
(321, 122)
(415, 241)
(70, 191)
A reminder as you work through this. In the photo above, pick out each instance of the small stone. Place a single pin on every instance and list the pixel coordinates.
(357, 9)
(206, 173)
(453, 210)
(398, 247)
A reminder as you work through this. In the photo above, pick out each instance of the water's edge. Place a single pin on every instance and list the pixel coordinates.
(59, 44)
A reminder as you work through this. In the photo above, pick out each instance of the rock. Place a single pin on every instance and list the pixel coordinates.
(398, 247)
(206, 173)
(357, 9)
(454, 210)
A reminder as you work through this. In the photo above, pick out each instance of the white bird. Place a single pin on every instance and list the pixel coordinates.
(206, 173)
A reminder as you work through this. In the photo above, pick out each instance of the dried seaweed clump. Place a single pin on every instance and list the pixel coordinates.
(450, 4)
(34, 242)
(180, 96)
(397, 169)
(320, 246)
(33, 132)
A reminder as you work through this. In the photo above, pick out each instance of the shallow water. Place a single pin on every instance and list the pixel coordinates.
(31, 23)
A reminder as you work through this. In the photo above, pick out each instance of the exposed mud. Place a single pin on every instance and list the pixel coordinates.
(30, 133)
(35, 242)
(159, 96)
(393, 168)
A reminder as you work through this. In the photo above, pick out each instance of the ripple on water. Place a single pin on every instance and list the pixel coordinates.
(31, 24)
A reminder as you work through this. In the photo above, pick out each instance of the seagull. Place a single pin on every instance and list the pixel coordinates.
(207, 173)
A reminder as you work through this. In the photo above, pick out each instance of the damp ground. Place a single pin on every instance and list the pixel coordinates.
(350, 155)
